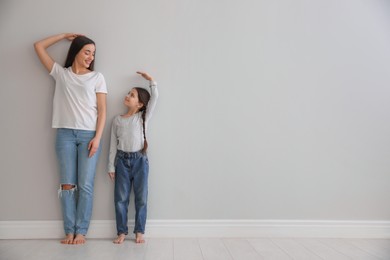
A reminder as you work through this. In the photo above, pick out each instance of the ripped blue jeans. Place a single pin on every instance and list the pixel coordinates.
(78, 170)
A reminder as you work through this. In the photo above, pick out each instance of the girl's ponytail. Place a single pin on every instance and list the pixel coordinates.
(143, 97)
(145, 148)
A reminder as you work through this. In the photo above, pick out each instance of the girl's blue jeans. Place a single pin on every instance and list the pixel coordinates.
(78, 170)
(131, 170)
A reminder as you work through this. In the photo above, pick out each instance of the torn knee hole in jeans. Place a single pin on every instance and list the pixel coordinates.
(67, 188)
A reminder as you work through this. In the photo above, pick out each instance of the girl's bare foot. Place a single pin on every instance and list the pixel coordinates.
(79, 239)
(120, 239)
(139, 238)
(68, 239)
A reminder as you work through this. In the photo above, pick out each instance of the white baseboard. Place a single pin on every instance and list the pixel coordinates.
(208, 228)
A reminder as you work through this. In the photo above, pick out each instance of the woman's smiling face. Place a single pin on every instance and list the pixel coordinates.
(86, 55)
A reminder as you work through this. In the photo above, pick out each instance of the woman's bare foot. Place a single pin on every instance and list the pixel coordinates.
(119, 239)
(79, 239)
(139, 238)
(68, 239)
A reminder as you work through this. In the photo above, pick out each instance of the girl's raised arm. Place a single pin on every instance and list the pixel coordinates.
(153, 94)
(41, 46)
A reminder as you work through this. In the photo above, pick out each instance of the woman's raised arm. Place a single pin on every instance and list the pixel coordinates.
(42, 45)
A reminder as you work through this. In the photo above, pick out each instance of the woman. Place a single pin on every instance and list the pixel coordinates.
(79, 115)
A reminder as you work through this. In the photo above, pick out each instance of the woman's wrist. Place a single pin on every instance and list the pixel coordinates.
(98, 137)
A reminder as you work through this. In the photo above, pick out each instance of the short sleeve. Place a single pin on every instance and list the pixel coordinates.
(56, 70)
(101, 86)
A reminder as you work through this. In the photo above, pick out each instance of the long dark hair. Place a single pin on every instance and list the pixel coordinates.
(77, 44)
(143, 97)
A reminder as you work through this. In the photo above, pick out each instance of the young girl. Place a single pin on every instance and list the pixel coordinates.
(79, 114)
(128, 163)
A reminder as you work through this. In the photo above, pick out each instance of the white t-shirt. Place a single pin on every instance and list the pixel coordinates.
(75, 104)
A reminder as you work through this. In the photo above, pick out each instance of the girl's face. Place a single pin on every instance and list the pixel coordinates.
(85, 56)
(131, 100)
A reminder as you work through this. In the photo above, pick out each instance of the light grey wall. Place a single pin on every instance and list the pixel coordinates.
(267, 109)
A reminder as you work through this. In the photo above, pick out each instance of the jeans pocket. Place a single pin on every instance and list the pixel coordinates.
(146, 159)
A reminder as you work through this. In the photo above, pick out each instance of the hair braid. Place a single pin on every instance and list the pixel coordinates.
(144, 131)
(143, 97)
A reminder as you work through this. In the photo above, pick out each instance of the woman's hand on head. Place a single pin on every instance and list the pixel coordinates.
(145, 75)
(72, 36)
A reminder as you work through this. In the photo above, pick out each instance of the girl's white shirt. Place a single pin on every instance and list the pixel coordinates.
(74, 103)
(127, 132)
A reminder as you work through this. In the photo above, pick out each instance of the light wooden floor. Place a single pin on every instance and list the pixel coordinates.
(199, 248)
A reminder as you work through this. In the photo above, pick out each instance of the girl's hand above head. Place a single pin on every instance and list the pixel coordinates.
(145, 75)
